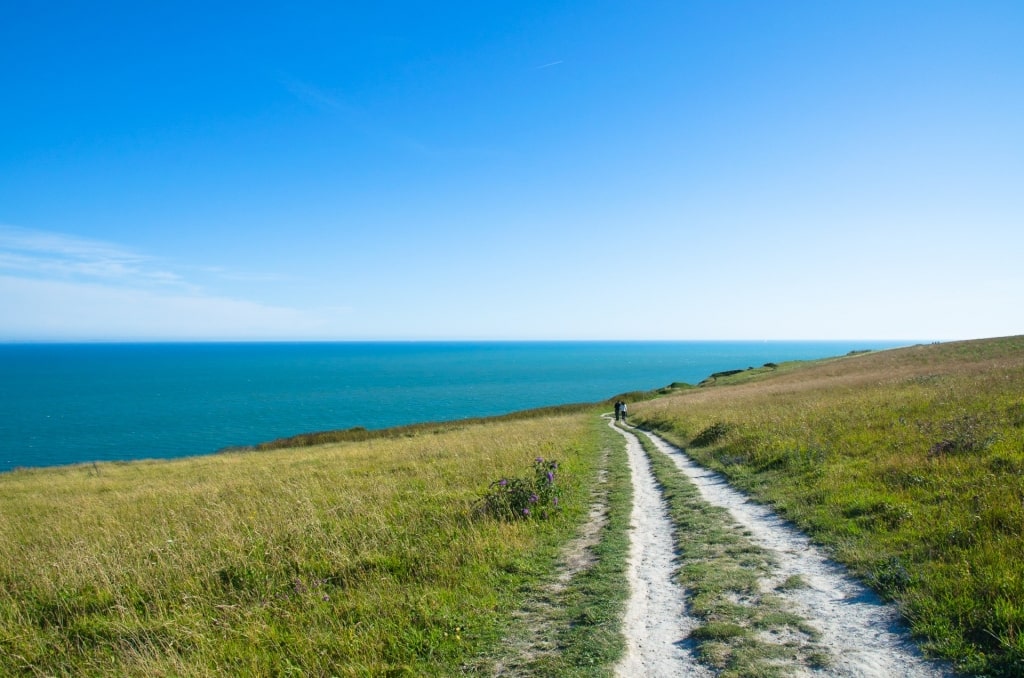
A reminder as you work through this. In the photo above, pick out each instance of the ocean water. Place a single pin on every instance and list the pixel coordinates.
(75, 403)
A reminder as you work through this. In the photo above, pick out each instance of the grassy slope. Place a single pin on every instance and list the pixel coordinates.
(908, 464)
(362, 558)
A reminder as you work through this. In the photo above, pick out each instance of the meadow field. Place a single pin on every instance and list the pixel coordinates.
(360, 558)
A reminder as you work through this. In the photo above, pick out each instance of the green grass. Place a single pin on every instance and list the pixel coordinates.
(907, 464)
(360, 434)
(581, 624)
(360, 558)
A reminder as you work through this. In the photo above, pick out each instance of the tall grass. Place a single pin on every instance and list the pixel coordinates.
(908, 464)
(362, 558)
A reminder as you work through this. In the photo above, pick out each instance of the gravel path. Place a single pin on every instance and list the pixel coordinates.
(863, 635)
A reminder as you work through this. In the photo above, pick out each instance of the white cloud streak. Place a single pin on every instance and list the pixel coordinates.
(55, 287)
(43, 254)
(50, 310)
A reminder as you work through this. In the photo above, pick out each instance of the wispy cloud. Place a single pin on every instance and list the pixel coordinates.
(356, 118)
(44, 254)
(49, 310)
(221, 273)
(316, 96)
(550, 64)
(61, 287)
(372, 125)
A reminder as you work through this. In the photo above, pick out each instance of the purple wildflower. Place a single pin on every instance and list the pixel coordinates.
(526, 512)
(556, 501)
(502, 482)
(539, 460)
(551, 477)
(534, 498)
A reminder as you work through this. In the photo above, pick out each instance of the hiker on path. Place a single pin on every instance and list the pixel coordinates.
(618, 410)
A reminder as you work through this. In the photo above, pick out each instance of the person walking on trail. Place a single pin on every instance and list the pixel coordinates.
(618, 410)
(622, 410)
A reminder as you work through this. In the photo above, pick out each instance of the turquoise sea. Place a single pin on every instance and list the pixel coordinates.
(73, 403)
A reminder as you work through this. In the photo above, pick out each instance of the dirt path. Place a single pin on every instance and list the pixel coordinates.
(656, 624)
(862, 635)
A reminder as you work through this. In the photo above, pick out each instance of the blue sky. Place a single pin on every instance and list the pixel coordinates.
(509, 170)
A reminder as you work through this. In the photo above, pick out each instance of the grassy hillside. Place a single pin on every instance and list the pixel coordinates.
(360, 558)
(908, 464)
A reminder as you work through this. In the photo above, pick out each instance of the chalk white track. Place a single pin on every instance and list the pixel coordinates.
(862, 634)
(656, 624)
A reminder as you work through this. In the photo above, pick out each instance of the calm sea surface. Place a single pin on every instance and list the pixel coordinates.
(64, 404)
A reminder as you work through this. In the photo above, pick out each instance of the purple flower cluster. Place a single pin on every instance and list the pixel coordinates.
(524, 498)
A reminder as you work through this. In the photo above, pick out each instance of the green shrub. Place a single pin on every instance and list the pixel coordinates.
(711, 435)
(523, 498)
(967, 433)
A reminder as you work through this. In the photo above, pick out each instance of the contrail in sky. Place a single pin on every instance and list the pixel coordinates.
(553, 63)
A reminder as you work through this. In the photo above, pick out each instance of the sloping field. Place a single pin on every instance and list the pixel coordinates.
(908, 465)
(361, 558)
